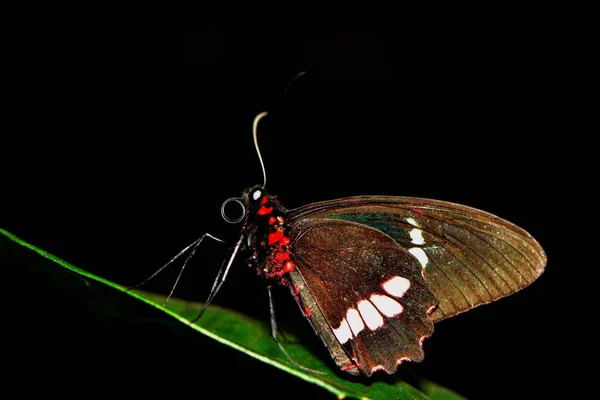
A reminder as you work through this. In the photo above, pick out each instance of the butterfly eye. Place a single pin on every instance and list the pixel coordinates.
(238, 215)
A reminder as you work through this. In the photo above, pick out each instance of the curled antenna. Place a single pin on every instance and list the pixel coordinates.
(256, 119)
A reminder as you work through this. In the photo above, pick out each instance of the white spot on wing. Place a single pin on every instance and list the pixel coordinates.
(388, 306)
(354, 320)
(416, 236)
(370, 314)
(396, 286)
(412, 222)
(256, 195)
(419, 255)
(343, 333)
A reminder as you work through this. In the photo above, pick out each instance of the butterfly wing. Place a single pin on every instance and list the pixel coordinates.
(363, 293)
(469, 257)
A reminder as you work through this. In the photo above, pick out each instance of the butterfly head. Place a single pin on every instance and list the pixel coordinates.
(264, 230)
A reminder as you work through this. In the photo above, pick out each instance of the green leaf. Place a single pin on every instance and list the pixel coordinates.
(109, 300)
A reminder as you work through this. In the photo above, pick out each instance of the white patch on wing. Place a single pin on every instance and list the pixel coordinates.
(419, 255)
(343, 333)
(388, 306)
(354, 320)
(370, 314)
(416, 236)
(396, 286)
(412, 221)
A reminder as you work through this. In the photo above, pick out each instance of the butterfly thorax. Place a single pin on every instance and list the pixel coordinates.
(267, 235)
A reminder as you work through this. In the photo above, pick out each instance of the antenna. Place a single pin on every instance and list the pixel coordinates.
(254, 130)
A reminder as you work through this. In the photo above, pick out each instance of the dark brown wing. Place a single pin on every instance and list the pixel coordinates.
(469, 257)
(363, 293)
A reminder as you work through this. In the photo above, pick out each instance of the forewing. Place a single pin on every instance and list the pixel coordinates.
(469, 257)
(363, 293)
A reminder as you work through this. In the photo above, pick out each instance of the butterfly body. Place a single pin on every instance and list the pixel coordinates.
(373, 273)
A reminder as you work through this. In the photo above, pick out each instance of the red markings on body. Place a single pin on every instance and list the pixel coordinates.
(278, 264)
(307, 311)
(348, 367)
(289, 266)
(281, 256)
(274, 237)
(296, 290)
(264, 210)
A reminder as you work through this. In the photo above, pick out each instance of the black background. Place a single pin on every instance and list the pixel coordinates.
(128, 130)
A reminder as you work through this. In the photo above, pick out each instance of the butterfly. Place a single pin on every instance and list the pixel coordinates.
(372, 274)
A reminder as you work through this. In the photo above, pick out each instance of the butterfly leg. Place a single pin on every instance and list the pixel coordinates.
(194, 245)
(221, 275)
(274, 330)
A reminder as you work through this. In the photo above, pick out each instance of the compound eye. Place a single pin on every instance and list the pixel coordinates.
(233, 216)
